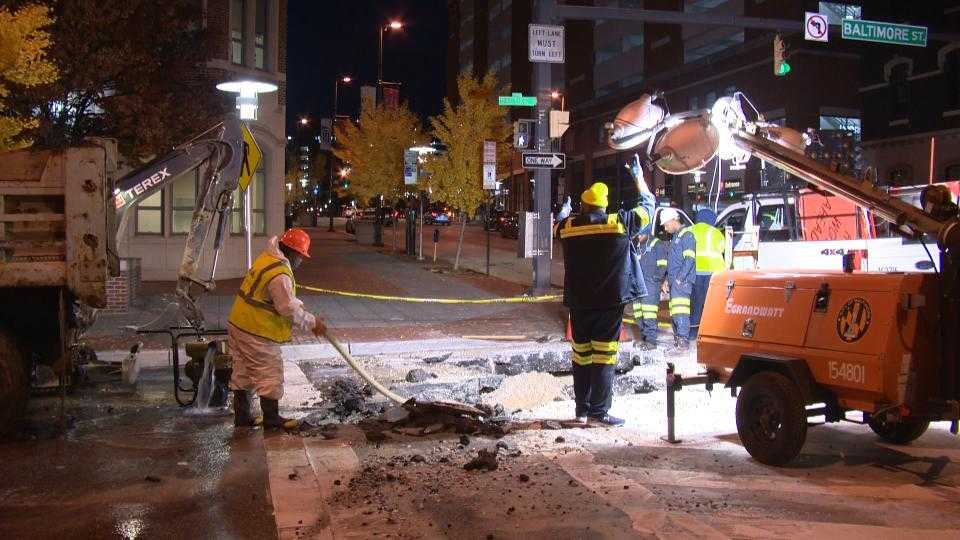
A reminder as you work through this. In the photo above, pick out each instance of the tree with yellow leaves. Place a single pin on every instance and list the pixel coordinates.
(374, 150)
(23, 62)
(456, 175)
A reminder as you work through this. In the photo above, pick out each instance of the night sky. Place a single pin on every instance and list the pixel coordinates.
(328, 38)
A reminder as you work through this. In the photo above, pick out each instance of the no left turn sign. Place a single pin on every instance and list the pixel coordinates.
(816, 27)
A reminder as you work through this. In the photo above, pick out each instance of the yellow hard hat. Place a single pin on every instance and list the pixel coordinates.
(596, 195)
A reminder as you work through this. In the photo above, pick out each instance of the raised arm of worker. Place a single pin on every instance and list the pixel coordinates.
(287, 304)
(639, 218)
(562, 215)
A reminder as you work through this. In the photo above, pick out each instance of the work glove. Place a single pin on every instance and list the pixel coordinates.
(319, 329)
(565, 210)
(636, 170)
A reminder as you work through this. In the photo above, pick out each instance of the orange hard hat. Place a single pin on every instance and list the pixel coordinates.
(297, 240)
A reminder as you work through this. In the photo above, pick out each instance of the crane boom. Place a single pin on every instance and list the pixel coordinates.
(221, 150)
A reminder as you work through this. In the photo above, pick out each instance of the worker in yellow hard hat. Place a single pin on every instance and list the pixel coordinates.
(263, 315)
(601, 275)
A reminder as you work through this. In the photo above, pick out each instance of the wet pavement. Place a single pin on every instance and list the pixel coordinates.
(131, 464)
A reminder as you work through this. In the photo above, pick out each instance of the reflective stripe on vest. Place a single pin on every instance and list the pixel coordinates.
(710, 248)
(612, 226)
(253, 311)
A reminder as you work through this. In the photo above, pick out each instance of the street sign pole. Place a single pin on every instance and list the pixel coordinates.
(542, 177)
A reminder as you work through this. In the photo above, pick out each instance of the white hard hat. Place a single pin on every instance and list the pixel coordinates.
(666, 214)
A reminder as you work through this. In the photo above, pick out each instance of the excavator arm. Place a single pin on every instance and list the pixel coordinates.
(221, 153)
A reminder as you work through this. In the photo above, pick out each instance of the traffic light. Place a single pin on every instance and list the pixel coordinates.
(522, 134)
(780, 65)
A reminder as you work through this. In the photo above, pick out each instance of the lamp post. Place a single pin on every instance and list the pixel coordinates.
(345, 79)
(247, 103)
(392, 25)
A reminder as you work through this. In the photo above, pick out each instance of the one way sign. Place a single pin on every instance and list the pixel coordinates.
(544, 160)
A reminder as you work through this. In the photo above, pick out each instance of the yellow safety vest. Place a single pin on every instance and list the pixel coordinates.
(711, 246)
(253, 310)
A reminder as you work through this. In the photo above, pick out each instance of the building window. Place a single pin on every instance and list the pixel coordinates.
(237, 11)
(900, 91)
(692, 54)
(836, 12)
(258, 221)
(699, 6)
(951, 68)
(150, 214)
(841, 123)
(260, 38)
(952, 172)
(184, 201)
(694, 103)
(900, 175)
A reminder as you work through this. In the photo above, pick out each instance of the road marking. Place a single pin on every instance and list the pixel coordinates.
(332, 461)
(641, 505)
(637, 502)
(294, 499)
(741, 482)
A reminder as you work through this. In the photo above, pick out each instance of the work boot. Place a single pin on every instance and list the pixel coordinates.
(607, 420)
(581, 415)
(242, 417)
(272, 418)
(648, 346)
(682, 345)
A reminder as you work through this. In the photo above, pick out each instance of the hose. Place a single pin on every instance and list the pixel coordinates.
(399, 400)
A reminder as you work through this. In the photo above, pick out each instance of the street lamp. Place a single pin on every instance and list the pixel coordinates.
(345, 79)
(247, 103)
(392, 25)
(304, 121)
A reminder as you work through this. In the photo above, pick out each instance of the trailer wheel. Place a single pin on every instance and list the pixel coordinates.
(902, 432)
(771, 419)
(14, 387)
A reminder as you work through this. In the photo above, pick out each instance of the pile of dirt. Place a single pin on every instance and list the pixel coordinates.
(526, 391)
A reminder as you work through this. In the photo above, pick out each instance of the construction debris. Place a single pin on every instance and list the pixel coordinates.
(436, 359)
(485, 461)
(419, 375)
(527, 391)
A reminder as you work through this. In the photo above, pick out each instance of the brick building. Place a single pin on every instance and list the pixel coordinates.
(247, 40)
(911, 97)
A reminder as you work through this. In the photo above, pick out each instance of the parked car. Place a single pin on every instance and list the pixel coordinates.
(437, 217)
(510, 225)
(493, 221)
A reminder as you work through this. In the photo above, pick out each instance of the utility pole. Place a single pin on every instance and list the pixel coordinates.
(543, 14)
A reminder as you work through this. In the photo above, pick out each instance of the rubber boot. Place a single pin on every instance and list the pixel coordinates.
(242, 416)
(272, 418)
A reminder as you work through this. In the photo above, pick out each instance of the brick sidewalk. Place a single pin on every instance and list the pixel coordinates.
(341, 264)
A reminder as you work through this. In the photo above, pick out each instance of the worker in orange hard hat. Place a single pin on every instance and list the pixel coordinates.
(263, 315)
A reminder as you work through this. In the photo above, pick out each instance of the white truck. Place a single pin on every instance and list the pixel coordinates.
(809, 230)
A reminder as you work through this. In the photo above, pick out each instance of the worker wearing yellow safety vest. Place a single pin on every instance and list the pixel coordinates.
(711, 246)
(263, 315)
(681, 271)
(601, 275)
(653, 264)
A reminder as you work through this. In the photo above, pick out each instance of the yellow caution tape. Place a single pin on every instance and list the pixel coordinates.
(512, 300)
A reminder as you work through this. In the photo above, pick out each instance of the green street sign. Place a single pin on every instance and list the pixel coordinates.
(517, 100)
(884, 32)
